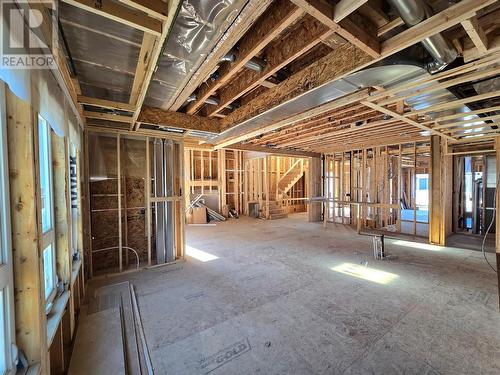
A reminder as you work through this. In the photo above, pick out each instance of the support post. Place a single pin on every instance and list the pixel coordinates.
(30, 318)
(314, 212)
(62, 208)
(440, 192)
(497, 217)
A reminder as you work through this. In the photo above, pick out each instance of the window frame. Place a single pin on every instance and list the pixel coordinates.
(6, 256)
(74, 201)
(48, 237)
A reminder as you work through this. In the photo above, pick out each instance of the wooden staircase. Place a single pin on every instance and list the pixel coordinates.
(276, 211)
(285, 183)
(290, 178)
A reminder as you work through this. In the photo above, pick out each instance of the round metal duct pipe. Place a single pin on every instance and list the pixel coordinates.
(413, 12)
(254, 63)
(212, 100)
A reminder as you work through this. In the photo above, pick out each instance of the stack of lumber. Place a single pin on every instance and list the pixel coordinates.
(110, 337)
(213, 215)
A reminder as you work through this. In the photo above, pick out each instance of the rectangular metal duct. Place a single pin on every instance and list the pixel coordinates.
(163, 188)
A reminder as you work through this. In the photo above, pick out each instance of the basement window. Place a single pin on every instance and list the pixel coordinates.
(45, 163)
(47, 211)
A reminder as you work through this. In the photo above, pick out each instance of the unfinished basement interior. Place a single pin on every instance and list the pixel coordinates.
(249, 187)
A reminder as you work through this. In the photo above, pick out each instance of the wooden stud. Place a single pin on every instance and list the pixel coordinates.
(147, 199)
(29, 299)
(497, 213)
(119, 181)
(476, 33)
(62, 207)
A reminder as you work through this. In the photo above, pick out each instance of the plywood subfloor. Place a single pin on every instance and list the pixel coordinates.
(291, 297)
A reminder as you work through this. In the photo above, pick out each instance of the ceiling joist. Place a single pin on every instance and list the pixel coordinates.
(346, 59)
(121, 14)
(278, 17)
(277, 55)
(346, 28)
(160, 117)
(155, 8)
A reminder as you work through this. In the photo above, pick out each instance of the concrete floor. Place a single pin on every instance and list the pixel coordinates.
(291, 297)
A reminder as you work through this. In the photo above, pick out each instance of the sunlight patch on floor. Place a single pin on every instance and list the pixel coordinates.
(365, 273)
(200, 255)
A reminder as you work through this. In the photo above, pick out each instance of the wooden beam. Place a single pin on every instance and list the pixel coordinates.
(155, 8)
(346, 7)
(314, 182)
(454, 103)
(239, 137)
(268, 84)
(119, 13)
(497, 217)
(433, 25)
(149, 43)
(333, 66)
(390, 26)
(105, 103)
(473, 53)
(157, 116)
(150, 52)
(277, 55)
(440, 192)
(347, 29)
(476, 33)
(62, 207)
(405, 119)
(29, 296)
(343, 61)
(273, 151)
(346, 60)
(98, 129)
(107, 116)
(280, 16)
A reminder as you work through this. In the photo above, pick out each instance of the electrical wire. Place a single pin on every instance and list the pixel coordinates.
(491, 224)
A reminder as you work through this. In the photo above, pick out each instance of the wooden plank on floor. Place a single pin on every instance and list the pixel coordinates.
(121, 292)
(99, 345)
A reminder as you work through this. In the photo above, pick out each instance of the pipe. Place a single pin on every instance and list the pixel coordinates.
(412, 13)
(254, 63)
(117, 248)
(212, 100)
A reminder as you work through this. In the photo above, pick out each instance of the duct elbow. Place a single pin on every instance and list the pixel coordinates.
(413, 12)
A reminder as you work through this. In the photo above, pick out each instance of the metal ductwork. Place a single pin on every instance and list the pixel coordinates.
(212, 100)
(254, 63)
(163, 160)
(413, 12)
(406, 66)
